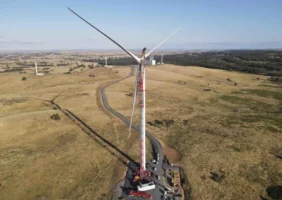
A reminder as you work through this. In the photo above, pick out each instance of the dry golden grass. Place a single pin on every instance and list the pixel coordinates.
(228, 129)
(46, 159)
(234, 129)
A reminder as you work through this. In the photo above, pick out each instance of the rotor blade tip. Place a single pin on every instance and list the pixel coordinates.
(128, 52)
(70, 10)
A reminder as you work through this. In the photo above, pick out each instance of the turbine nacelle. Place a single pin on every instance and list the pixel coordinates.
(144, 53)
(143, 58)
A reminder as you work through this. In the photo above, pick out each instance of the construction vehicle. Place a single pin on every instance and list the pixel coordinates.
(136, 178)
(146, 186)
(140, 194)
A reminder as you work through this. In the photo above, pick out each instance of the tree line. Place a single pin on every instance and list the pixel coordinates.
(267, 62)
(248, 61)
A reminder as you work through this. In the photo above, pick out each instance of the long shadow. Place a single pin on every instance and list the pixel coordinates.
(89, 131)
(99, 136)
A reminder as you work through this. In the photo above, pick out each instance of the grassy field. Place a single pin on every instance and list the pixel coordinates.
(224, 123)
(41, 158)
(220, 127)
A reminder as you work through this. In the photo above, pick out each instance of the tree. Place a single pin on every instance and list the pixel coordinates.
(55, 117)
(152, 124)
(167, 124)
(157, 122)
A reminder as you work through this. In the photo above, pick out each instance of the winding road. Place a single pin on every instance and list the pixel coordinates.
(156, 193)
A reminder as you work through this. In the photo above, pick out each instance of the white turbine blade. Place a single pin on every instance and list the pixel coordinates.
(134, 98)
(151, 51)
(128, 52)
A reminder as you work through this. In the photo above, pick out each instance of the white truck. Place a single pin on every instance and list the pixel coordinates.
(146, 186)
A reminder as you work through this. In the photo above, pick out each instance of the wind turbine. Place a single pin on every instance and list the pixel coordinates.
(106, 63)
(140, 91)
(36, 71)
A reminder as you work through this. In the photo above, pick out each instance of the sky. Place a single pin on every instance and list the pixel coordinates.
(206, 24)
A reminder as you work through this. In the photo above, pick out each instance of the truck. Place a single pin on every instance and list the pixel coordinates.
(146, 186)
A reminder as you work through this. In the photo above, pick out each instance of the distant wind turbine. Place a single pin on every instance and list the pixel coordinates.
(36, 71)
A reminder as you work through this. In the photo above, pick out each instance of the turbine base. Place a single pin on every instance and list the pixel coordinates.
(142, 176)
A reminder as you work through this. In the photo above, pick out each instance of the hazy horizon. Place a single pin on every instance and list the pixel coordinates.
(216, 25)
(133, 50)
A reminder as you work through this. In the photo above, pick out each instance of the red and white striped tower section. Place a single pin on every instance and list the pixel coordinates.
(142, 105)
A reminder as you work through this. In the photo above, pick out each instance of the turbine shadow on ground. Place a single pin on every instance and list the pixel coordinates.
(90, 132)
(93, 133)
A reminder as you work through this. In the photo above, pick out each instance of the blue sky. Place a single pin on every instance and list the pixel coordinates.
(207, 24)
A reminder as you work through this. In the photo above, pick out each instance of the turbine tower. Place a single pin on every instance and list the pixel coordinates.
(162, 59)
(106, 63)
(140, 92)
(36, 70)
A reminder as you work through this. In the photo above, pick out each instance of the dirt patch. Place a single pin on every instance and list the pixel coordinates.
(172, 154)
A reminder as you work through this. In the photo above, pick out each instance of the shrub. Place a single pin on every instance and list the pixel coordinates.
(185, 121)
(55, 117)
(274, 79)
